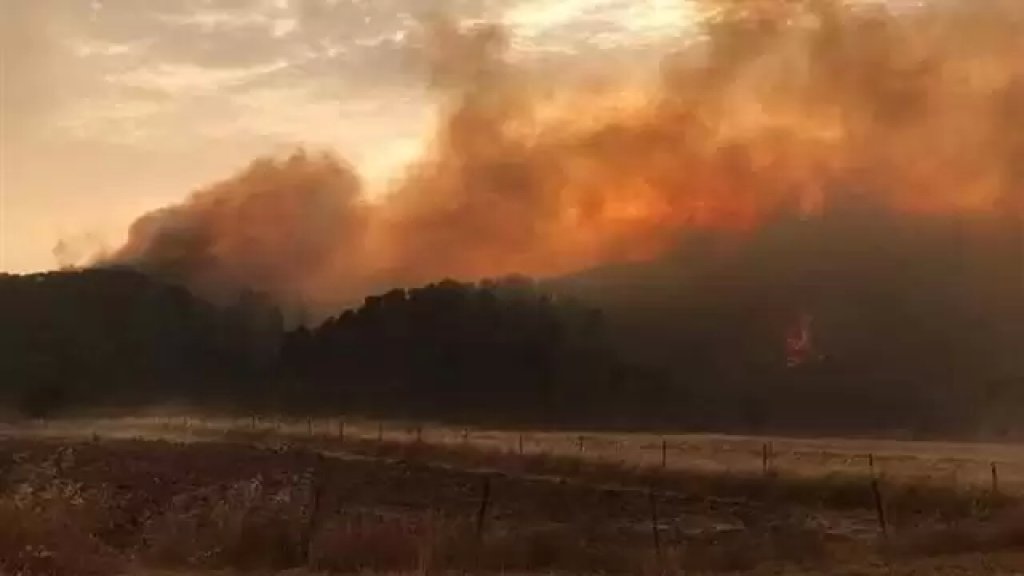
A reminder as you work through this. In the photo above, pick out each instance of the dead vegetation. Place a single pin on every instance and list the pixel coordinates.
(116, 506)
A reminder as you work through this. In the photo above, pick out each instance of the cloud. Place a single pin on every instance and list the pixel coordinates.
(126, 54)
(603, 24)
(190, 79)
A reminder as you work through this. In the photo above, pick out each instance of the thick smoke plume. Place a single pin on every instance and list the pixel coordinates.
(780, 108)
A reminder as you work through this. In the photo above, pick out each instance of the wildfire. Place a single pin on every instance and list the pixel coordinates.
(800, 342)
(781, 111)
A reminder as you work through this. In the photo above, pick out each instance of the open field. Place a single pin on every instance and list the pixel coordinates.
(172, 495)
(967, 465)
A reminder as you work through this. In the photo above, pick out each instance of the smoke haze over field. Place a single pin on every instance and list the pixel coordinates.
(776, 109)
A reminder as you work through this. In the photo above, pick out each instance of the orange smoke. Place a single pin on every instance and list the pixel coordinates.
(781, 107)
(278, 227)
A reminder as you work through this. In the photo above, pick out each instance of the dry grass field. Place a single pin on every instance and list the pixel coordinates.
(171, 495)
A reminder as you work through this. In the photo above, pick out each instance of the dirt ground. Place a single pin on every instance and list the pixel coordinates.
(175, 496)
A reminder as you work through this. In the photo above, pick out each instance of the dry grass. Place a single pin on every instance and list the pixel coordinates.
(905, 498)
(1003, 532)
(48, 525)
(100, 507)
(238, 526)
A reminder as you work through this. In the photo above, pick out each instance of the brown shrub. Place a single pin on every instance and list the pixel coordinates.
(48, 529)
(361, 543)
(1002, 533)
(240, 526)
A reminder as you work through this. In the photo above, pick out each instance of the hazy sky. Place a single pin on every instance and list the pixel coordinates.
(110, 108)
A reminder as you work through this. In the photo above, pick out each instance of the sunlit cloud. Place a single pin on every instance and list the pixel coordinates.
(190, 79)
(604, 23)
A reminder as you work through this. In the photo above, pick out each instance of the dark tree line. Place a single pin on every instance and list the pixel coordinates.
(100, 337)
(495, 350)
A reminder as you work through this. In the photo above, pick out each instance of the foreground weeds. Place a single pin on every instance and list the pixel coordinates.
(48, 525)
(105, 507)
(904, 499)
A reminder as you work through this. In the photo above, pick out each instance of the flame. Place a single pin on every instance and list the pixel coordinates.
(800, 342)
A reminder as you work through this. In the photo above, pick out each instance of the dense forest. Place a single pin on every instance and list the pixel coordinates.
(500, 350)
(841, 324)
(110, 337)
(497, 350)
(859, 319)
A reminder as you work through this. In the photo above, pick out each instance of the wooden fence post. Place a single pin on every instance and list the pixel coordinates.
(580, 444)
(318, 483)
(419, 434)
(485, 501)
(664, 453)
(520, 443)
(871, 464)
(995, 480)
(655, 532)
(481, 520)
(876, 491)
(764, 458)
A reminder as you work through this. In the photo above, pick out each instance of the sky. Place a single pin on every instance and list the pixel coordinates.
(111, 108)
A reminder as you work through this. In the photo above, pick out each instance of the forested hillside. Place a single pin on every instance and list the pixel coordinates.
(858, 319)
(787, 331)
(497, 350)
(115, 336)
